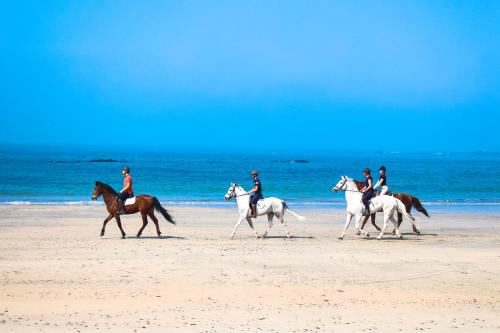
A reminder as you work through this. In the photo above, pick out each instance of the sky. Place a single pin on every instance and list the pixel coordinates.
(254, 76)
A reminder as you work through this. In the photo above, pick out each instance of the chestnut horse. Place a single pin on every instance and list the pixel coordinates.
(407, 199)
(144, 204)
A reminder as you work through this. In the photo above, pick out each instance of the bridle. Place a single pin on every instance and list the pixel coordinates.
(233, 195)
(341, 188)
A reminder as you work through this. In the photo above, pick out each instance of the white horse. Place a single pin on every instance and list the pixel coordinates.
(268, 206)
(355, 207)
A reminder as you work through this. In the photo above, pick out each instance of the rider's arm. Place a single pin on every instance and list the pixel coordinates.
(378, 184)
(369, 187)
(253, 190)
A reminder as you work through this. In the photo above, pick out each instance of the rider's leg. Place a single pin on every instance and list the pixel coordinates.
(121, 197)
(366, 202)
(384, 190)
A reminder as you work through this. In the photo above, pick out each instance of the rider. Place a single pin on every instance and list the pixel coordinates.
(126, 192)
(382, 181)
(367, 191)
(255, 194)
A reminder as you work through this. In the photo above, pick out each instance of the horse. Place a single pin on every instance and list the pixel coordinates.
(355, 207)
(144, 204)
(272, 207)
(408, 200)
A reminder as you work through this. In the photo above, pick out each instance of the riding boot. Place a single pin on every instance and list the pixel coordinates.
(367, 210)
(253, 212)
(121, 208)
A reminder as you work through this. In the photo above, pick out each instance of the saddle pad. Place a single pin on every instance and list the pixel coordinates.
(130, 201)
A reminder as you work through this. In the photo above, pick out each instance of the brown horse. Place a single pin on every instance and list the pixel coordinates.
(145, 204)
(407, 199)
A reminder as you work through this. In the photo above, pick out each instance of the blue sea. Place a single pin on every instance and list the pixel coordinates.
(459, 181)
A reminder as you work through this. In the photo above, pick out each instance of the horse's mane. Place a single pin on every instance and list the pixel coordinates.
(105, 187)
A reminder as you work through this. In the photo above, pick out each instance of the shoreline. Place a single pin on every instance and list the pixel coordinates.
(436, 207)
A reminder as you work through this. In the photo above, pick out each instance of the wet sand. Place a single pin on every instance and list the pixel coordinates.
(58, 275)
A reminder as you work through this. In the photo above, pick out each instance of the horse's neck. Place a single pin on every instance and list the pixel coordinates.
(241, 199)
(108, 197)
(351, 192)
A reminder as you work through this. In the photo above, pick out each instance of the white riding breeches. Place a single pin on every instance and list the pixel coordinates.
(384, 189)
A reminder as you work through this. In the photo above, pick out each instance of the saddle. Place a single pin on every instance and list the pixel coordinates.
(130, 201)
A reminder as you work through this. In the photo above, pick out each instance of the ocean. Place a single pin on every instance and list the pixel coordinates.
(467, 181)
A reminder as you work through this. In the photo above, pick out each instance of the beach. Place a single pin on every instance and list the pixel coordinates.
(58, 275)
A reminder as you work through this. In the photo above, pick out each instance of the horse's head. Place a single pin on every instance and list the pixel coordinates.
(230, 191)
(97, 191)
(340, 185)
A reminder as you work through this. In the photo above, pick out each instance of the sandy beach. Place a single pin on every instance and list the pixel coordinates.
(58, 275)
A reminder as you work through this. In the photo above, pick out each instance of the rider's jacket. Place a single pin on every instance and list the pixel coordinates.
(384, 180)
(126, 181)
(256, 182)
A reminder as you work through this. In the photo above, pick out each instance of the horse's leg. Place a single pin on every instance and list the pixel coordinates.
(283, 223)
(152, 216)
(363, 225)
(119, 222)
(347, 222)
(144, 223)
(240, 219)
(250, 223)
(384, 227)
(269, 223)
(396, 227)
(358, 222)
(400, 220)
(373, 222)
(110, 216)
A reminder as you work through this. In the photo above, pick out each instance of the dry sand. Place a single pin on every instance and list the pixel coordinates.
(58, 275)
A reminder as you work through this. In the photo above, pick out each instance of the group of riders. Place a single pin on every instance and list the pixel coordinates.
(369, 190)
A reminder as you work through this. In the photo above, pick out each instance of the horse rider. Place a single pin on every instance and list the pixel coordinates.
(255, 194)
(382, 181)
(367, 191)
(126, 192)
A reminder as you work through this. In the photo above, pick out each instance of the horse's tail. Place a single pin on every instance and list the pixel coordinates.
(285, 208)
(402, 210)
(418, 205)
(163, 211)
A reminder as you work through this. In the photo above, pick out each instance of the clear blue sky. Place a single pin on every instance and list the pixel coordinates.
(252, 75)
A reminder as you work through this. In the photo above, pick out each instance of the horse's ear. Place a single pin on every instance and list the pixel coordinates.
(96, 182)
(342, 177)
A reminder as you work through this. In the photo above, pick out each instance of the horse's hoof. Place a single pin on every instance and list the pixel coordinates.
(393, 233)
(379, 238)
(288, 236)
(102, 235)
(123, 237)
(358, 233)
(340, 237)
(367, 235)
(400, 236)
(417, 232)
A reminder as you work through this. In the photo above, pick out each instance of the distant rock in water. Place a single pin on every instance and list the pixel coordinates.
(99, 160)
(107, 160)
(292, 161)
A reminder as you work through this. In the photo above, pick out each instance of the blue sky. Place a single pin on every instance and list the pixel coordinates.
(252, 75)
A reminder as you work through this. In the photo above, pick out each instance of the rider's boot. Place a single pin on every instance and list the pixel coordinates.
(367, 210)
(253, 211)
(121, 208)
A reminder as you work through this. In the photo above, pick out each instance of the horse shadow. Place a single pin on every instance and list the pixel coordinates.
(291, 237)
(155, 237)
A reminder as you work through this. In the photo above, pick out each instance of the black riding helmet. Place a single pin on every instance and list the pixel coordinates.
(382, 168)
(367, 171)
